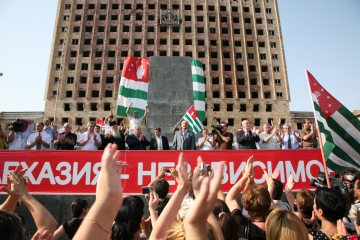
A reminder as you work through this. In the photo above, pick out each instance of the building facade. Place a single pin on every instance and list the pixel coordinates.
(239, 43)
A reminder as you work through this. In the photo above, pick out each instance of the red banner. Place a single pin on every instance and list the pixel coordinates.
(76, 172)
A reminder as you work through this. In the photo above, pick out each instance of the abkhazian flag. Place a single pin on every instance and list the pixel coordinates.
(133, 86)
(193, 118)
(339, 129)
(198, 88)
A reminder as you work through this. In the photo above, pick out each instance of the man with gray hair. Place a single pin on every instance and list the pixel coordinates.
(270, 139)
(66, 140)
(185, 138)
(89, 140)
(137, 140)
(247, 138)
(291, 140)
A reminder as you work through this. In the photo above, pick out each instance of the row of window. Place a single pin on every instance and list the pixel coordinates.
(243, 107)
(92, 107)
(163, 41)
(165, 7)
(82, 93)
(242, 94)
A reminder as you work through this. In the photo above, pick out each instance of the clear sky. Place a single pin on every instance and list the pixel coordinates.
(322, 36)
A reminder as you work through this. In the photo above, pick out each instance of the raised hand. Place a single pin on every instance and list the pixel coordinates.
(162, 172)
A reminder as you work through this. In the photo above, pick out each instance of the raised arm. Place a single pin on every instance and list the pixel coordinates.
(128, 110)
(97, 223)
(146, 111)
(169, 213)
(235, 191)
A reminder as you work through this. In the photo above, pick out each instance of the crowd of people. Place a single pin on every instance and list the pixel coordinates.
(47, 136)
(198, 209)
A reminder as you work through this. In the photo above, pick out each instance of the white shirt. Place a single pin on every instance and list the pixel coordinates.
(272, 143)
(45, 137)
(159, 143)
(294, 144)
(134, 122)
(206, 145)
(20, 138)
(90, 145)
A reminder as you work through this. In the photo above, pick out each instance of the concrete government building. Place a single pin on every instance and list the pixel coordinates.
(239, 43)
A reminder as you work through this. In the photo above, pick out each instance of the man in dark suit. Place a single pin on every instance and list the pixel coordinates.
(137, 140)
(159, 142)
(247, 138)
(184, 139)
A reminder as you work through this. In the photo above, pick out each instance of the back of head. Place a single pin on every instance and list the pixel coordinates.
(227, 223)
(256, 200)
(177, 232)
(161, 205)
(10, 227)
(278, 190)
(305, 202)
(161, 187)
(284, 225)
(77, 207)
(127, 221)
(332, 203)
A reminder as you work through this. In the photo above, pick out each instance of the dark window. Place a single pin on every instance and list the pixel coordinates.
(162, 53)
(76, 29)
(97, 66)
(96, 79)
(230, 122)
(102, 17)
(91, 6)
(238, 43)
(216, 107)
(225, 43)
(211, 8)
(228, 94)
(257, 122)
(252, 68)
(70, 80)
(80, 107)
(98, 54)
(229, 107)
(94, 93)
(107, 106)
(151, 6)
(79, 6)
(126, 28)
(68, 94)
(211, 19)
(188, 41)
(253, 81)
(163, 29)
(163, 41)
(259, 21)
(108, 93)
(93, 106)
(234, 9)
(224, 31)
(90, 17)
(256, 107)
(150, 41)
(102, 6)
(200, 30)
(239, 68)
(242, 107)
(214, 67)
(201, 42)
(150, 29)
(254, 95)
(138, 17)
(100, 41)
(246, 9)
(73, 54)
(83, 79)
(260, 32)
(151, 17)
(88, 28)
(113, 29)
(176, 29)
(149, 53)
(112, 41)
(223, 19)
(115, 6)
(228, 81)
(175, 41)
(125, 41)
(267, 94)
(176, 53)
(250, 43)
(77, 17)
(114, 17)
(199, 7)
(266, 82)
(66, 106)
(261, 44)
(227, 67)
(137, 53)
(201, 54)
(187, 18)
(188, 54)
(216, 94)
(72, 66)
(268, 107)
(215, 80)
(248, 31)
(258, 10)
(236, 31)
(223, 8)
(264, 68)
(110, 66)
(242, 94)
(84, 66)
(138, 28)
(137, 41)
(200, 18)
(213, 42)
(111, 54)
(226, 55)
(247, 20)
(241, 81)
(81, 93)
(187, 7)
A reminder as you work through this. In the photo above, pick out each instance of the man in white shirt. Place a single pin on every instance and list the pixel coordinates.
(39, 140)
(270, 139)
(159, 142)
(135, 120)
(205, 143)
(89, 140)
(18, 136)
(291, 140)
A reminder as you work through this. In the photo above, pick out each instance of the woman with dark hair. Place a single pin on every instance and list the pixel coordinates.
(226, 221)
(10, 226)
(79, 208)
(127, 222)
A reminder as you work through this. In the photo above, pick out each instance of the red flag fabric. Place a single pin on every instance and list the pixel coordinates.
(136, 69)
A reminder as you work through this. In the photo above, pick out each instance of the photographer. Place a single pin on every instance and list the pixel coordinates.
(19, 132)
(224, 138)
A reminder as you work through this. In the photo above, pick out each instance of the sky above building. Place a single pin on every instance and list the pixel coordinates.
(321, 36)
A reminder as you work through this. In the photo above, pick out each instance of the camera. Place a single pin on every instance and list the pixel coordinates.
(147, 190)
(335, 183)
(216, 127)
(16, 125)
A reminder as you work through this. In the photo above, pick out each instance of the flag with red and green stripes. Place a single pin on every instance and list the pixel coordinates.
(193, 118)
(339, 128)
(198, 88)
(133, 86)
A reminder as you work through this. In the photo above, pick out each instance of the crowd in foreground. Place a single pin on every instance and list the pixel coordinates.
(48, 136)
(198, 209)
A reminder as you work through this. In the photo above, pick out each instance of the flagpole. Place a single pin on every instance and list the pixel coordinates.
(319, 136)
